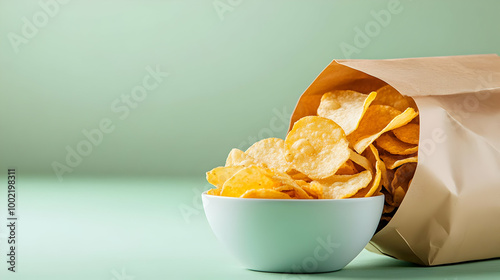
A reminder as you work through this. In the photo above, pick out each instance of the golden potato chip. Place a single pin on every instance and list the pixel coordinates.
(377, 120)
(271, 152)
(283, 188)
(300, 193)
(394, 161)
(214, 191)
(343, 186)
(313, 191)
(316, 146)
(289, 182)
(408, 133)
(391, 144)
(387, 95)
(239, 158)
(219, 175)
(412, 103)
(252, 177)
(297, 175)
(345, 107)
(399, 195)
(360, 160)
(265, 193)
(290, 193)
(375, 185)
(403, 176)
(387, 181)
(347, 168)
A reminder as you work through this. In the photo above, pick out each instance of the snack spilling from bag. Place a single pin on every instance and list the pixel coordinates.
(358, 145)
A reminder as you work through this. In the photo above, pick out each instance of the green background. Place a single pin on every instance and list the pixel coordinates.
(236, 69)
(230, 75)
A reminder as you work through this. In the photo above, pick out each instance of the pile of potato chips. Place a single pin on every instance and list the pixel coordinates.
(358, 145)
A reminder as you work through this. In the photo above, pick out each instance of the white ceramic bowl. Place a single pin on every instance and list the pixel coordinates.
(297, 236)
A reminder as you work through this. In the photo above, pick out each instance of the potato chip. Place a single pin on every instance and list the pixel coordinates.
(387, 181)
(393, 145)
(239, 158)
(394, 161)
(313, 191)
(387, 95)
(377, 120)
(265, 193)
(271, 152)
(388, 209)
(252, 177)
(408, 133)
(345, 107)
(403, 176)
(300, 193)
(316, 146)
(398, 196)
(290, 193)
(375, 185)
(297, 175)
(287, 181)
(347, 168)
(412, 103)
(360, 160)
(343, 186)
(219, 175)
(214, 191)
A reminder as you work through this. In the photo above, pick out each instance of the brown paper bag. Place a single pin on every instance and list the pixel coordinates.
(451, 212)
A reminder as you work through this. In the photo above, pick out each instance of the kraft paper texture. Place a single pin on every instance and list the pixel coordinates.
(451, 212)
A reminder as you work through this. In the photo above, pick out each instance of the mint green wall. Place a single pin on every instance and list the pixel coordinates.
(236, 69)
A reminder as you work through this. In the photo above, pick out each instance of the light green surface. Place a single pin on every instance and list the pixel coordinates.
(92, 229)
(234, 78)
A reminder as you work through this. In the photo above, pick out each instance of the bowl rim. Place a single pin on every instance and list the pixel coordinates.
(294, 200)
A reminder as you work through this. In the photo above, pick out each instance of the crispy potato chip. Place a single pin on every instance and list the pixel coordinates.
(377, 120)
(271, 152)
(380, 170)
(284, 188)
(393, 145)
(360, 160)
(403, 176)
(388, 209)
(219, 175)
(387, 182)
(317, 147)
(239, 158)
(345, 107)
(313, 191)
(343, 186)
(347, 168)
(408, 133)
(291, 194)
(252, 177)
(214, 191)
(297, 175)
(375, 185)
(412, 103)
(265, 193)
(300, 193)
(387, 95)
(399, 195)
(388, 197)
(394, 161)
(289, 182)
